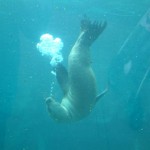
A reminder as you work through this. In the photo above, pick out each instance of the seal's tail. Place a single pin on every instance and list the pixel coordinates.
(91, 30)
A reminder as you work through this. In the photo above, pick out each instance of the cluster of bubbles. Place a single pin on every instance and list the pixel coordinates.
(51, 47)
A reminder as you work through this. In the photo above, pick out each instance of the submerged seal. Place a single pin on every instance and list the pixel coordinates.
(78, 84)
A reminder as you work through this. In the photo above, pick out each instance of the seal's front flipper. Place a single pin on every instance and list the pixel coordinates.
(90, 30)
(101, 95)
(62, 77)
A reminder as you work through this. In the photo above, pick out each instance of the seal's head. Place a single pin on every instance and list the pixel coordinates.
(49, 100)
(56, 110)
(51, 106)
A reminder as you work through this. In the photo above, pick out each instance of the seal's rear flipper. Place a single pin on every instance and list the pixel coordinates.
(101, 95)
(62, 77)
(90, 31)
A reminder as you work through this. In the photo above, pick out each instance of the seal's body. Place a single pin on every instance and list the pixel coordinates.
(79, 84)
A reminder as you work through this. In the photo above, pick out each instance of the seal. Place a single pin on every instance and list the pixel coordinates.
(78, 83)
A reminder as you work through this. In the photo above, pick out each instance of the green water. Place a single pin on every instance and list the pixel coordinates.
(120, 59)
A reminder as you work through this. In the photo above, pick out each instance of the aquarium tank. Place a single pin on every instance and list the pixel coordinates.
(36, 36)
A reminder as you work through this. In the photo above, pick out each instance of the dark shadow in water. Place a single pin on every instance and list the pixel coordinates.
(130, 69)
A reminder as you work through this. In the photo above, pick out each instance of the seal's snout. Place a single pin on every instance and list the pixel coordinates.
(49, 100)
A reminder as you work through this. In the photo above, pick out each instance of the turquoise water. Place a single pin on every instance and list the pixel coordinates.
(120, 59)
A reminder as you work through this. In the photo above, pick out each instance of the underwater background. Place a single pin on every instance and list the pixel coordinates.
(120, 59)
